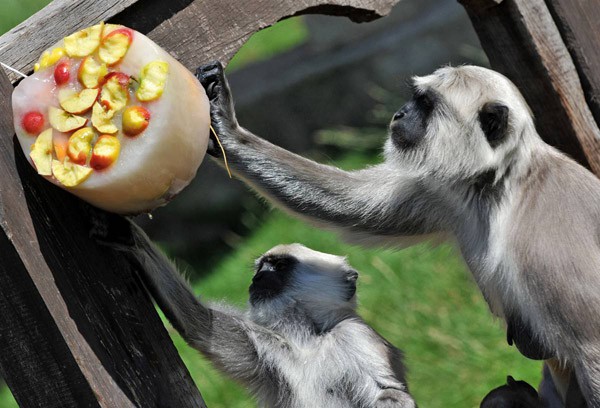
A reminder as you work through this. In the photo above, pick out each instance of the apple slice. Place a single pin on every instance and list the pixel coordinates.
(91, 73)
(102, 119)
(152, 81)
(41, 153)
(114, 45)
(49, 58)
(83, 42)
(135, 120)
(77, 102)
(33, 122)
(80, 145)
(70, 174)
(106, 152)
(115, 91)
(64, 121)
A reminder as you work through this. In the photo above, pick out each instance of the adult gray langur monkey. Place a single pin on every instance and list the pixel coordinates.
(463, 159)
(301, 343)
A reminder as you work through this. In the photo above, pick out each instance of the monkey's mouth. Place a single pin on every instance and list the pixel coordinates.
(265, 290)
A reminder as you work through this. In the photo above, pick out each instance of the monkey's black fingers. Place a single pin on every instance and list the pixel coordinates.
(211, 76)
(213, 79)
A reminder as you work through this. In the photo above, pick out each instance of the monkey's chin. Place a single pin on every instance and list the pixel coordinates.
(402, 140)
(260, 294)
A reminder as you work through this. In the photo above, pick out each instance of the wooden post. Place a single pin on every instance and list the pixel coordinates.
(523, 42)
(77, 327)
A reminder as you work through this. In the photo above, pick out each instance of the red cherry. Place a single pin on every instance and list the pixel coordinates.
(33, 122)
(62, 72)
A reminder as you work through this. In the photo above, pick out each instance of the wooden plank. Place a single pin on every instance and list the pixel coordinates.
(193, 31)
(579, 24)
(94, 297)
(523, 42)
(45, 374)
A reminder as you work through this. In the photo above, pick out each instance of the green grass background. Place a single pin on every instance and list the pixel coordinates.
(422, 299)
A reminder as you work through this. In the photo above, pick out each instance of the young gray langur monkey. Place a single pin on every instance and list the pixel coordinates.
(301, 344)
(463, 159)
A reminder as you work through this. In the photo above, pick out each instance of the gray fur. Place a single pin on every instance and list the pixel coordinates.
(305, 348)
(525, 216)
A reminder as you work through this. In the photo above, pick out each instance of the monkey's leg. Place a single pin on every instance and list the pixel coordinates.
(378, 201)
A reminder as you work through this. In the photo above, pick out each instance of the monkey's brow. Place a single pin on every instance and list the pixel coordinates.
(419, 90)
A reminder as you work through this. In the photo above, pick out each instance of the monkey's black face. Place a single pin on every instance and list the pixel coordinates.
(273, 274)
(409, 124)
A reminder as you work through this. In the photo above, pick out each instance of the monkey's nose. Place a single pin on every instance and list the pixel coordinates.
(265, 266)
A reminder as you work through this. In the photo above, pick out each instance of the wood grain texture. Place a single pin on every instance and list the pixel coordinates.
(523, 42)
(194, 32)
(45, 374)
(579, 24)
(93, 296)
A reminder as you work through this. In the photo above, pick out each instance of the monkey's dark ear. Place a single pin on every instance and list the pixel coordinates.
(493, 118)
(351, 278)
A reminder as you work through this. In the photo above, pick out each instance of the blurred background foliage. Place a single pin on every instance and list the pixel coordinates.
(326, 87)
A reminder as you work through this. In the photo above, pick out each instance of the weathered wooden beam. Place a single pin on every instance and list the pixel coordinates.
(45, 374)
(192, 31)
(579, 24)
(523, 42)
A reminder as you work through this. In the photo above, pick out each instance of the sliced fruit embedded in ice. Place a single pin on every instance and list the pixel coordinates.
(129, 123)
(70, 174)
(77, 102)
(135, 120)
(64, 121)
(105, 153)
(83, 42)
(49, 58)
(60, 148)
(115, 91)
(153, 78)
(114, 45)
(41, 153)
(80, 145)
(91, 73)
(102, 119)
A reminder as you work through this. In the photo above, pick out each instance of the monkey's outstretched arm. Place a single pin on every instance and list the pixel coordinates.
(223, 337)
(377, 201)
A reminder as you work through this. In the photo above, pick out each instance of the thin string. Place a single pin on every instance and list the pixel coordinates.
(13, 70)
(222, 150)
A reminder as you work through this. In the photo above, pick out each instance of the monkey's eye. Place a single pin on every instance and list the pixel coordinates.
(424, 101)
(493, 118)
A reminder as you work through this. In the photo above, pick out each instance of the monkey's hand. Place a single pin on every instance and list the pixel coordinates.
(513, 394)
(394, 398)
(222, 112)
